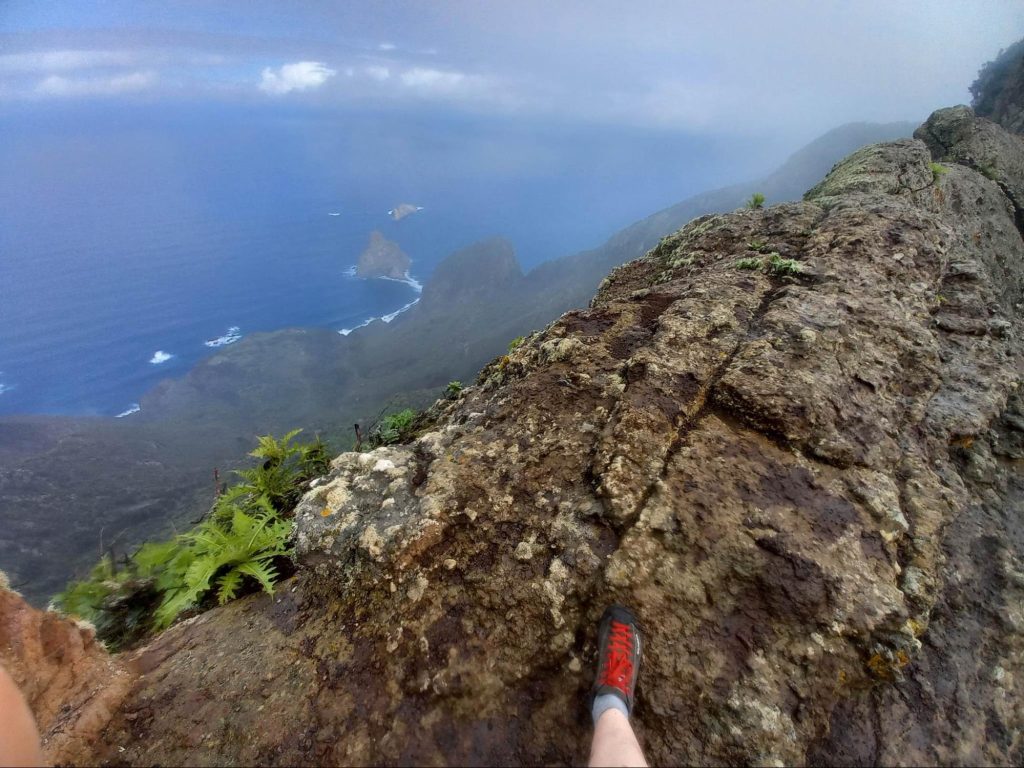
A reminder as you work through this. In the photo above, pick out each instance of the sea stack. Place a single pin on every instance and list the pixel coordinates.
(383, 258)
(399, 212)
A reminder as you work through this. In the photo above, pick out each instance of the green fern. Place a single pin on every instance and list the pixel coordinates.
(246, 531)
(245, 547)
(749, 262)
(85, 598)
(781, 267)
(755, 202)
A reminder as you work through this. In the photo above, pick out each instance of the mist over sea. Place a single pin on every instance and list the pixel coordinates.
(131, 248)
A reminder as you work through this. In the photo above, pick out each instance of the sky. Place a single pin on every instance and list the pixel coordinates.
(748, 69)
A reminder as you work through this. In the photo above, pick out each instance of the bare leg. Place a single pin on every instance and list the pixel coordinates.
(614, 742)
(19, 739)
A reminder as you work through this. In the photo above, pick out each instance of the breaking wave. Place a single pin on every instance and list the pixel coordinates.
(234, 333)
(409, 280)
(347, 331)
(160, 357)
(391, 316)
(133, 408)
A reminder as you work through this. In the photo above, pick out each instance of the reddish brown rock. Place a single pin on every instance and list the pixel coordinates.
(71, 683)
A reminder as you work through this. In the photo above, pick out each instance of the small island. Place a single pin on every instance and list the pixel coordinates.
(383, 258)
(399, 212)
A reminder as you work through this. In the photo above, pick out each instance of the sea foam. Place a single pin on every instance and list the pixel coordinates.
(234, 333)
(160, 357)
(347, 331)
(133, 408)
(408, 279)
(392, 315)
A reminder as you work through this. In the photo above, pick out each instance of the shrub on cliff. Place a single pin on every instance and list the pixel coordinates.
(394, 428)
(240, 545)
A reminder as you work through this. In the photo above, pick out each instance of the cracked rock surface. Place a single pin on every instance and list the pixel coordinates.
(804, 474)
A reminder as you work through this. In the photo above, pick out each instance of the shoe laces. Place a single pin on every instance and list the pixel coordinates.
(618, 670)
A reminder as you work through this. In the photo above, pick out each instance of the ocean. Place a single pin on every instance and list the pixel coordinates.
(134, 245)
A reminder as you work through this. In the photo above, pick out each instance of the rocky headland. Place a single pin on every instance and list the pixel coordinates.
(791, 438)
(383, 258)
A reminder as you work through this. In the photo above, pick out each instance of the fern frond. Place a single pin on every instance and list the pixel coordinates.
(228, 585)
(153, 556)
(173, 604)
(263, 572)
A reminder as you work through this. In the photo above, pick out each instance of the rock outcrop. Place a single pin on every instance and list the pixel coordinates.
(792, 439)
(71, 684)
(383, 258)
(999, 90)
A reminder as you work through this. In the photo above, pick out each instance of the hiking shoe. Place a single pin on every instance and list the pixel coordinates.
(618, 655)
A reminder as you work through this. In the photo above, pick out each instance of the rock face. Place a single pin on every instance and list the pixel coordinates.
(382, 258)
(70, 682)
(804, 471)
(999, 90)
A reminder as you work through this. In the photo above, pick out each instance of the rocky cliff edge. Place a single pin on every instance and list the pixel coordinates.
(791, 439)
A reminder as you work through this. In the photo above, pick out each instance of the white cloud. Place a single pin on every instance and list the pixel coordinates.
(441, 82)
(386, 47)
(58, 85)
(297, 76)
(63, 60)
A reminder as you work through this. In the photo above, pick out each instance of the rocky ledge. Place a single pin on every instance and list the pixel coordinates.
(791, 439)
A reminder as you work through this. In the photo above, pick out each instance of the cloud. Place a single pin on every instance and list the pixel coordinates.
(132, 82)
(386, 47)
(442, 82)
(297, 76)
(63, 60)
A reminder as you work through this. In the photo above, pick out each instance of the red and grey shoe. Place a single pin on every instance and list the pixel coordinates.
(618, 655)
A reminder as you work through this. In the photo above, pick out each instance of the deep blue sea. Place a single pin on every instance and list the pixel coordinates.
(131, 243)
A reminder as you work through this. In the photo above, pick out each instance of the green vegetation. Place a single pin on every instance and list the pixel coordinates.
(239, 546)
(453, 390)
(988, 170)
(772, 264)
(681, 261)
(938, 171)
(750, 262)
(756, 202)
(394, 428)
(516, 343)
(781, 267)
(283, 463)
(761, 246)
